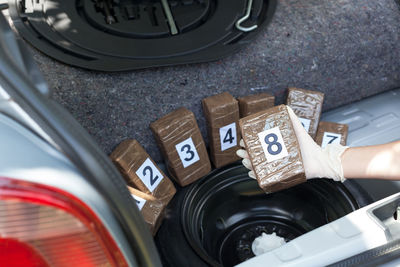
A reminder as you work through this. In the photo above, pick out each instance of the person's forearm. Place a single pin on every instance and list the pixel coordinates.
(380, 161)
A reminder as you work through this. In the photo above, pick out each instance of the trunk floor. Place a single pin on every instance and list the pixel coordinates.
(348, 49)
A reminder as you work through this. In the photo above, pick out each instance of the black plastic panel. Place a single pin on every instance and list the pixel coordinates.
(117, 35)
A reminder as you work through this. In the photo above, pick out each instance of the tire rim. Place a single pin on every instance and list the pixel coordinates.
(224, 212)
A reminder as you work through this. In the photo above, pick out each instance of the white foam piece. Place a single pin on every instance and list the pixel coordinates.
(266, 242)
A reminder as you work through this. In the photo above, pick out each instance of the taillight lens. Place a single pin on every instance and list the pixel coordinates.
(45, 226)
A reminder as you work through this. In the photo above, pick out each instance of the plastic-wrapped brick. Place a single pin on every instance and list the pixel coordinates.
(182, 146)
(331, 133)
(273, 149)
(152, 210)
(307, 105)
(222, 115)
(255, 103)
(150, 187)
(141, 172)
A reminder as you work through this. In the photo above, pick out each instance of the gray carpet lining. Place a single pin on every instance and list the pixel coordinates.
(348, 49)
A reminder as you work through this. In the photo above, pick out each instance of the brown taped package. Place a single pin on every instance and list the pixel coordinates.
(141, 172)
(273, 149)
(150, 207)
(255, 103)
(152, 185)
(182, 146)
(222, 115)
(307, 105)
(331, 133)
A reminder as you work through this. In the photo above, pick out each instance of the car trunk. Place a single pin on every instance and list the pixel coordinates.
(347, 50)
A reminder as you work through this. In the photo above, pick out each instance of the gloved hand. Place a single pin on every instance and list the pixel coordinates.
(318, 162)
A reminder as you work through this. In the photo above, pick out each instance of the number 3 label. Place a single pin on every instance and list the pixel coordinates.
(227, 135)
(330, 138)
(187, 152)
(272, 143)
(149, 174)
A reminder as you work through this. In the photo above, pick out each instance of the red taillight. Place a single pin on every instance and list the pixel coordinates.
(48, 226)
(18, 254)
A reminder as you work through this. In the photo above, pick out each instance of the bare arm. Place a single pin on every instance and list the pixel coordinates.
(380, 161)
(338, 162)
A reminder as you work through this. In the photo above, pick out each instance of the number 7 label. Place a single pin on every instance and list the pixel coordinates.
(272, 143)
(330, 138)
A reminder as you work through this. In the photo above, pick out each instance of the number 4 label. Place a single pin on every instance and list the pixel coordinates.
(227, 135)
(330, 138)
(272, 143)
(187, 152)
(149, 174)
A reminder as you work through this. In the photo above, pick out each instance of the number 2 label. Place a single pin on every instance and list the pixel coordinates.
(187, 152)
(330, 138)
(149, 174)
(227, 135)
(272, 143)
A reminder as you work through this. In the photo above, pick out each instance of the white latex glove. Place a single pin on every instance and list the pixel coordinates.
(246, 159)
(318, 162)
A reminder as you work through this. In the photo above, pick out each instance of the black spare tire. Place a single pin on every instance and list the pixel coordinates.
(214, 221)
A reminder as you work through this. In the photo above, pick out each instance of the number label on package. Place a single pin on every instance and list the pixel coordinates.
(330, 138)
(306, 123)
(139, 201)
(227, 135)
(187, 152)
(272, 144)
(149, 174)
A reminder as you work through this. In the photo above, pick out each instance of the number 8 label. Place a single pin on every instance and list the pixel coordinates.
(149, 174)
(272, 143)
